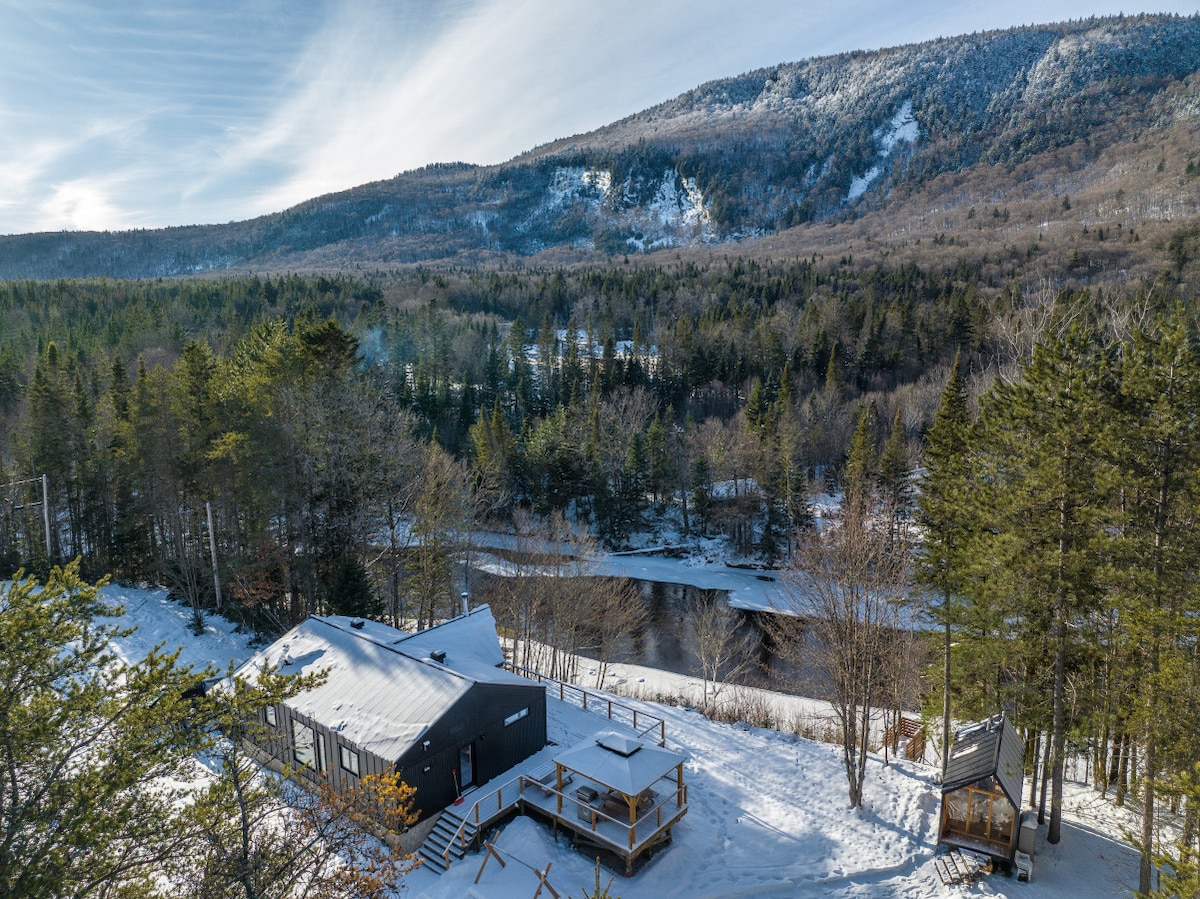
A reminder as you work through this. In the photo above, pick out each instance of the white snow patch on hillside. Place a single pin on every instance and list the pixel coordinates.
(676, 207)
(678, 201)
(600, 179)
(572, 184)
(902, 129)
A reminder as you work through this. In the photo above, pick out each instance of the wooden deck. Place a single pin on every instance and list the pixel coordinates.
(592, 815)
(602, 821)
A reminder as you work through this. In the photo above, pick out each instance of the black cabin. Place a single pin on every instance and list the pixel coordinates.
(435, 707)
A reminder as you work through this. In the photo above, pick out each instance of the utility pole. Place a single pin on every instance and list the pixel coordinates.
(44, 480)
(46, 510)
(212, 549)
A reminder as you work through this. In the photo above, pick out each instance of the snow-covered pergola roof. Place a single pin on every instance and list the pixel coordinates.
(620, 763)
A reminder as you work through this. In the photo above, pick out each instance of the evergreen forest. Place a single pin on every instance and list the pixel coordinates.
(1035, 457)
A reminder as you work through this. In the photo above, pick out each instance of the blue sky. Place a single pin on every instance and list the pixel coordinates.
(148, 113)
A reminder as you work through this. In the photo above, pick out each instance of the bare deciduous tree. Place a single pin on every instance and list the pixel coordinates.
(848, 589)
(540, 604)
(616, 609)
(722, 650)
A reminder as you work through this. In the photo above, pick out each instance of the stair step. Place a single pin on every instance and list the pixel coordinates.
(451, 831)
(432, 862)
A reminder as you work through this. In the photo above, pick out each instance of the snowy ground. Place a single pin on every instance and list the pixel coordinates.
(767, 812)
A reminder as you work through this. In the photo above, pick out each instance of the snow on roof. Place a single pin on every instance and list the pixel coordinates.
(467, 644)
(469, 638)
(629, 769)
(382, 691)
(988, 748)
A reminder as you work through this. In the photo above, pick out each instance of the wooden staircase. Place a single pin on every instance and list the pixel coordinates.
(441, 838)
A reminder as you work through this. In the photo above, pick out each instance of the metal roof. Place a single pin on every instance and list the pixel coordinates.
(988, 748)
(376, 694)
(467, 644)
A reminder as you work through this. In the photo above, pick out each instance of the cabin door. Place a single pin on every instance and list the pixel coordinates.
(466, 766)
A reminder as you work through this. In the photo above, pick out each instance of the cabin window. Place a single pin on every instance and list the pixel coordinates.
(956, 811)
(349, 760)
(979, 813)
(304, 744)
(516, 716)
(1002, 820)
(272, 717)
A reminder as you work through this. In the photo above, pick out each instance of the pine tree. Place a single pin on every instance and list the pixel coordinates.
(1154, 456)
(1045, 527)
(96, 751)
(944, 511)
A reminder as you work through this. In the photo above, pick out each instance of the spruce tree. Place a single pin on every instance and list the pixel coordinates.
(894, 488)
(858, 481)
(944, 511)
(1045, 525)
(1153, 455)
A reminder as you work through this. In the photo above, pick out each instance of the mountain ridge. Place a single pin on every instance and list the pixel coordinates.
(821, 141)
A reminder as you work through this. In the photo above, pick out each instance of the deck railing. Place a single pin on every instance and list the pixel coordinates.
(673, 801)
(487, 809)
(496, 803)
(643, 723)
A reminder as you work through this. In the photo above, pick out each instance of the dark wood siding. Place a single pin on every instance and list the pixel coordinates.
(476, 719)
(276, 741)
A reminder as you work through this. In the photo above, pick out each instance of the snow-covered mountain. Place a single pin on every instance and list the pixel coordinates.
(794, 144)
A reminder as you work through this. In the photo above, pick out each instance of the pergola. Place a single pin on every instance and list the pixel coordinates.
(617, 776)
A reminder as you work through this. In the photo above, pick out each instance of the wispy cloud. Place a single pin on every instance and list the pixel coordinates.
(84, 204)
(147, 114)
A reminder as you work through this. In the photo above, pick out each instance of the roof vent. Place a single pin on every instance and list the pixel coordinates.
(357, 624)
(621, 745)
(438, 655)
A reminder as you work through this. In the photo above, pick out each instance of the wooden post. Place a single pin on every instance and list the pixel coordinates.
(491, 853)
(544, 883)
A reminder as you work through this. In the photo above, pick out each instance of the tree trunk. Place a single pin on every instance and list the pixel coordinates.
(946, 687)
(1118, 767)
(1031, 751)
(1059, 728)
(1047, 739)
(1100, 758)
(1146, 868)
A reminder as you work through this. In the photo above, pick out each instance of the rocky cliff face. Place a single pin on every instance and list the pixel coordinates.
(745, 156)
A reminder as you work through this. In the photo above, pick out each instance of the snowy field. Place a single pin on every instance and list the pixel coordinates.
(767, 812)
